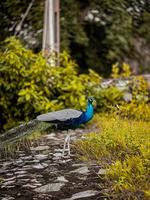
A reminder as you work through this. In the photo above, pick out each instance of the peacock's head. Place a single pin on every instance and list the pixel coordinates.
(91, 100)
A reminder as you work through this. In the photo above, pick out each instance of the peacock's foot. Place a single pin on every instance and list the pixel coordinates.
(66, 153)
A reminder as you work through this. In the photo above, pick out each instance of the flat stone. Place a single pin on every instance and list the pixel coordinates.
(32, 161)
(84, 194)
(9, 174)
(9, 179)
(64, 161)
(39, 148)
(41, 156)
(61, 179)
(57, 154)
(101, 172)
(27, 157)
(58, 150)
(83, 178)
(34, 180)
(39, 166)
(8, 198)
(25, 180)
(127, 97)
(8, 183)
(19, 161)
(51, 187)
(50, 136)
(2, 171)
(81, 170)
(21, 172)
(78, 164)
(29, 186)
(37, 184)
(6, 164)
(22, 175)
(10, 186)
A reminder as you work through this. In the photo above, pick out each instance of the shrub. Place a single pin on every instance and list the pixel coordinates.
(138, 107)
(30, 86)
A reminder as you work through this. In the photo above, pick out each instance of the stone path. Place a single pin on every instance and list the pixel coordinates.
(41, 173)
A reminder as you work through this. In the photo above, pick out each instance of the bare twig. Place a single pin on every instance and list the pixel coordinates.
(18, 27)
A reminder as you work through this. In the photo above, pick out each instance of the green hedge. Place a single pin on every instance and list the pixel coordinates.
(29, 86)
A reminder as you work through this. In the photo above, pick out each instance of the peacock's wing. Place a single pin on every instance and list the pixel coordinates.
(59, 116)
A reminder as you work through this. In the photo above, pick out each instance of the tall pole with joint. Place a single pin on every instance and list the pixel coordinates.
(51, 30)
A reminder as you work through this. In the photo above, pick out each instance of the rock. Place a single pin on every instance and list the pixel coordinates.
(84, 194)
(51, 187)
(29, 186)
(78, 164)
(61, 179)
(64, 161)
(22, 175)
(5, 184)
(32, 161)
(39, 148)
(6, 164)
(20, 172)
(39, 166)
(27, 157)
(9, 174)
(81, 170)
(127, 97)
(58, 155)
(101, 172)
(19, 161)
(9, 179)
(8, 198)
(50, 136)
(41, 157)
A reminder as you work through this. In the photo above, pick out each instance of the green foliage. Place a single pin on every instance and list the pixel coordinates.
(123, 148)
(30, 86)
(96, 33)
(123, 71)
(139, 106)
(108, 98)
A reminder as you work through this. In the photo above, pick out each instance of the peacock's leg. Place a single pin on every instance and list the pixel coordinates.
(65, 143)
(68, 144)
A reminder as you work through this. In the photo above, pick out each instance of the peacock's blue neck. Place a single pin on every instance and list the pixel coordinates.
(84, 117)
(88, 114)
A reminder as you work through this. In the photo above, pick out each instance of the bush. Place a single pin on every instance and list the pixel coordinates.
(30, 86)
(139, 107)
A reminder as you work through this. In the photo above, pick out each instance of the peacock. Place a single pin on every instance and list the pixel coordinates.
(65, 119)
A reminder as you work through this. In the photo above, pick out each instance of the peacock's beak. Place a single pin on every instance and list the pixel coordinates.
(94, 103)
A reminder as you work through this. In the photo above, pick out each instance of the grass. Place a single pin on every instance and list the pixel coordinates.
(122, 147)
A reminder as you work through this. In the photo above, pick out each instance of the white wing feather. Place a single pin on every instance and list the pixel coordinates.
(61, 115)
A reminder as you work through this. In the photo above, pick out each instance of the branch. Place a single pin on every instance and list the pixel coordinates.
(18, 27)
